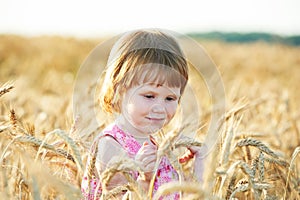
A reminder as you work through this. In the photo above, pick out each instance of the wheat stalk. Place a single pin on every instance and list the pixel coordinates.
(280, 162)
(247, 171)
(115, 192)
(185, 187)
(231, 186)
(261, 167)
(187, 142)
(256, 143)
(254, 165)
(73, 128)
(240, 188)
(28, 139)
(229, 135)
(295, 153)
(71, 144)
(125, 166)
(165, 149)
(35, 189)
(5, 88)
(13, 119)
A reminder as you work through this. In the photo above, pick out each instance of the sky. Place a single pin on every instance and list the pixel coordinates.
(92, 18)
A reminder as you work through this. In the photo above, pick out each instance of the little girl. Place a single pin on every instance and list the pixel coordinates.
(145, 78)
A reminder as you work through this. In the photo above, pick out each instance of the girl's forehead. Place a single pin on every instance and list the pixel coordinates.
(158, 74)
(157, 88)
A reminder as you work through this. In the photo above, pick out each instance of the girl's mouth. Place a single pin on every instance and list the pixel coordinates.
(155, 119)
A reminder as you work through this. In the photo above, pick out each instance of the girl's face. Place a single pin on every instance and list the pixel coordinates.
(146, 108)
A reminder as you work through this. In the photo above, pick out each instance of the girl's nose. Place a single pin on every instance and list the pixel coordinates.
(158, 108)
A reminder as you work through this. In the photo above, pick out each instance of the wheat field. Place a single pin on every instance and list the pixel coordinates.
(43, 152)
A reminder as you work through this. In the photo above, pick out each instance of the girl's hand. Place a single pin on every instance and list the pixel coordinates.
(190, 153)
(146, 156)
(197, 153)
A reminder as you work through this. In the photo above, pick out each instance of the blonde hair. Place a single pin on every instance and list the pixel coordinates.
(143, 56)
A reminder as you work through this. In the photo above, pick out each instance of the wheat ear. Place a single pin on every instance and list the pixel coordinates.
(261, 146)
(230, 187)
(295, 153)
(125, 166)
(186, 187)
(7, 87)
(241, 188)
(71, 144)
(39, 143)
(261, 167)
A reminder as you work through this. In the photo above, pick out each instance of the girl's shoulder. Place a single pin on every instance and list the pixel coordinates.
(113, 135)
(107, 145)
(107, 132)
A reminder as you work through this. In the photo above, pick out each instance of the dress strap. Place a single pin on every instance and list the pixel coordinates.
(93, 153)
(109, 135)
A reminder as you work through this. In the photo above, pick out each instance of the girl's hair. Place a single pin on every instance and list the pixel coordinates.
(143, 56)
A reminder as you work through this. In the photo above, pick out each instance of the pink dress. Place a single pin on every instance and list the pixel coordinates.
(91, 184)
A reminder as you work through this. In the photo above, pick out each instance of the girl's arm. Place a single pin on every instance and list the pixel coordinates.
(109, 149)
(199, 156)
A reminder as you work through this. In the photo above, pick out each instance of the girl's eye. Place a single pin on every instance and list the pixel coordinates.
(149, 96)
(170, 99)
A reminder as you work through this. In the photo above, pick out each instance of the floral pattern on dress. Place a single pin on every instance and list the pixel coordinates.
(89, 192)
(164, 174)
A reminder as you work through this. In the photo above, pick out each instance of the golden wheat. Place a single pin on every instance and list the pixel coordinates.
(7, 87)
(43, 150)
(260, 145)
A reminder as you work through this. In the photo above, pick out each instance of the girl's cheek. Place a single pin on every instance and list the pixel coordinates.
(172, 109)
(173, 106)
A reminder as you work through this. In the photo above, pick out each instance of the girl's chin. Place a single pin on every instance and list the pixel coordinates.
(147, 128)
(152, 129)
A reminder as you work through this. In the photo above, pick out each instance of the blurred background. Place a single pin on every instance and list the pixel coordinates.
(254, 44)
